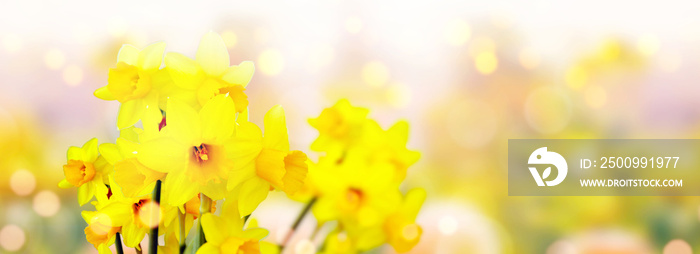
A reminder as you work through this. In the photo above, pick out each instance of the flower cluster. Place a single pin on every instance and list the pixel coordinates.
(186, 147)
(356, 182)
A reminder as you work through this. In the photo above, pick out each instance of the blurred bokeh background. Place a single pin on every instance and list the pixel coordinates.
(467, 75)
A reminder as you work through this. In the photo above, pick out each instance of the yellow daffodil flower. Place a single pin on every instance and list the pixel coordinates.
(190, 211)
(339, 243)
(225, 233)
(172, 245)
(209, 74)
(400, 227)
(134, 178)
(264, 162)
(356, 182)
(338, 126)
(192, 150)
(100, 231)
(134, 82)
(355, 192)
(388, 147)
(86, 170)
(135, 216)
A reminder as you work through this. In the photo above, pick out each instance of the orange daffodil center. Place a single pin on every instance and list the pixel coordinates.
(136, 207)
(201, 154)
(354, 198)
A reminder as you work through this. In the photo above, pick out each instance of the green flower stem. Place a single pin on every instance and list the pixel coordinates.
(297, 222)
(316, 230)
(245, 218)
(118, 244)
(204, 208)
(153, 235)
(183, 240)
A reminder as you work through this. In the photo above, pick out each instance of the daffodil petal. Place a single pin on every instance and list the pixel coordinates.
(183, 70)
(243, 116)
(133, 234)
(269, 248)
(130, 134)
(101, 190)
(129, 113)
(218, 118)
(241, 74)
(64, 184)
(104, 249)
(104, 93)
(229, 209)
(214, 190)
(179, 188)
(119, 212)
(240, 174)
(126, 147)
(127, 176)
(244, 150)
(85, 193)
(151, 57)
(162, 154)
(215, 228)
(74, 153)
(128, 54)
(212, 54)
(110, 152)
(253, 192)
(399, 131)
(152, 116)
(276, 136)
(208, 248)
(183, 122)
(256, 233)
(413, 201)
(90, 151)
